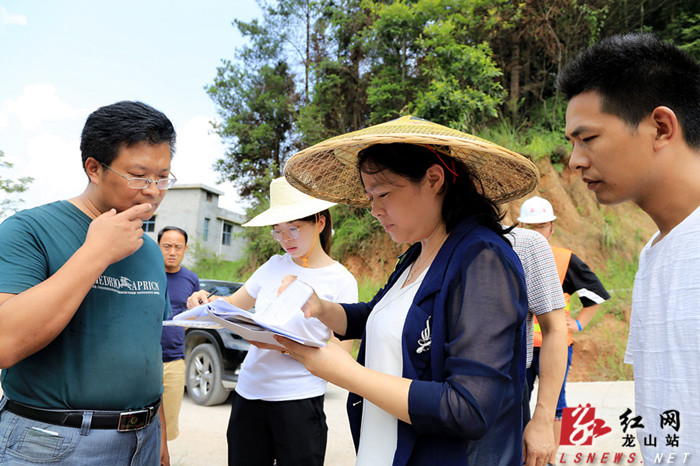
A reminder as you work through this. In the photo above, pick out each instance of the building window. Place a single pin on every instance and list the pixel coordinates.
(226, 234)
(209, 197)
(149, 226)
(205, 234)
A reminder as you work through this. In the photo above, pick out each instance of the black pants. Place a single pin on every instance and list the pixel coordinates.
(293, 433)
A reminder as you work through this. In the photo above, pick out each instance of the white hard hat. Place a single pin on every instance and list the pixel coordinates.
(536, 210)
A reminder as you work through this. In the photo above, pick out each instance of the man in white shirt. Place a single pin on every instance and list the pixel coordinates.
(633, 119)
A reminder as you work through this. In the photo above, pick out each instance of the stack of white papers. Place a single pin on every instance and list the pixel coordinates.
(281, 317)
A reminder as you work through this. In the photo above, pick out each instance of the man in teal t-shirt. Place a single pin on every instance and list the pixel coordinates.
(82, 298)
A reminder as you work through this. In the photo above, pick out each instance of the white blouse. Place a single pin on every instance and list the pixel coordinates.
(379, 430)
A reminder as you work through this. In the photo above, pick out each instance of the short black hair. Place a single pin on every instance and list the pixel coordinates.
(124, 124)
(635, 73)
(178, 229)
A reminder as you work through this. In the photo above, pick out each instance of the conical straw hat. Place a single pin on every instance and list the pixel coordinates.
(328, 170)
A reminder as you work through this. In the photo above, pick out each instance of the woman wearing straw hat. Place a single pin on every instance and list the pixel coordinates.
(439, 376)
(277, 409)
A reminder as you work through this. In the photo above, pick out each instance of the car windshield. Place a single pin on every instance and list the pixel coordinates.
(222, 288)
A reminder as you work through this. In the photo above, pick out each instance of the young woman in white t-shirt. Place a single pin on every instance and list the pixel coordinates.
(277, 409)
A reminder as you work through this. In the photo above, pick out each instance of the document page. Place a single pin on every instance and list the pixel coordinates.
(282, 317)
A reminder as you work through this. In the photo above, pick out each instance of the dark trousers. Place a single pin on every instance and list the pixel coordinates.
(293, 433)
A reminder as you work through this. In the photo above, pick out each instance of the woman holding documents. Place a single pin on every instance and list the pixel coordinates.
(277, 410)
(440, 372)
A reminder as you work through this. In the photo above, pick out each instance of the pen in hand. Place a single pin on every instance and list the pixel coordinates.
(208, 296)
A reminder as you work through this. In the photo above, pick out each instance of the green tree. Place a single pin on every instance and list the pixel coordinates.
(637, 15)
(531, 41)
(338, 102)
(294, 22)
(395, 73)
(422, 60)
(9, 204)
(256, 99)
(314, 69)
(685, 31)
(463, 88)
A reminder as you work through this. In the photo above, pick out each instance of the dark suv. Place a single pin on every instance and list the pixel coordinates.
(213, 357)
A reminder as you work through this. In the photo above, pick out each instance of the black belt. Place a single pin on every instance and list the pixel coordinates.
(124, 421)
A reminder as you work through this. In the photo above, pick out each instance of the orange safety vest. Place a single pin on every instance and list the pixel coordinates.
(562, 257)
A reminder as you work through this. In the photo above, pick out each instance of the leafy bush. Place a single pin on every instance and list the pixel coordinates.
(208, 265)
(261, 245)
(353, 228)
(535, 142)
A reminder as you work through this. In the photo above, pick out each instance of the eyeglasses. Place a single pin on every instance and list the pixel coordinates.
(292, 232)
(143, 183)
(168, 246)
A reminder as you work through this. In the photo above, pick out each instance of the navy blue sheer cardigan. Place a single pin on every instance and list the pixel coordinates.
(463, 345)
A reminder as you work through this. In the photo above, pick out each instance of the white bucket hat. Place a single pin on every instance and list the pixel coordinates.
(287, 204)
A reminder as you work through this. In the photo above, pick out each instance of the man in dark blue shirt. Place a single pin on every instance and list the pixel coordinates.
(181, 284)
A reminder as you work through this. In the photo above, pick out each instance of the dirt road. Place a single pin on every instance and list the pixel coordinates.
(202, 439)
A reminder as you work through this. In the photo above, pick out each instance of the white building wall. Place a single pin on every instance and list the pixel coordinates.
(186, 207)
